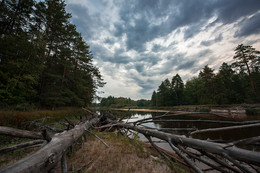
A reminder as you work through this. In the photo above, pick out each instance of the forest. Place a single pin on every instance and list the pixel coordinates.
(44, 61)
(234, 83)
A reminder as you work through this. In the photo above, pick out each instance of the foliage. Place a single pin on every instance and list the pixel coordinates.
(44, 60)
(232, 84)
(122, 102)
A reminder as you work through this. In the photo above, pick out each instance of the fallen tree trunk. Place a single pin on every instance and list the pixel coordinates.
(19, 146)
(224, 128)
(47, 157)
(216, 148)
(19, 133)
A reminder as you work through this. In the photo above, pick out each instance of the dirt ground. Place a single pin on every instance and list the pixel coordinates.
(123, 156)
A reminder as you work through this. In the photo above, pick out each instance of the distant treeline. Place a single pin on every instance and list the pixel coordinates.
(44, 61)
(233, 84)
(121, 102)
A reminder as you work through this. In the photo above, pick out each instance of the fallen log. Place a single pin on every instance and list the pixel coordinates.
(224, 128)
(200, 121)
(216, 148)
(47, 157)
(19, 146)
(20, 133)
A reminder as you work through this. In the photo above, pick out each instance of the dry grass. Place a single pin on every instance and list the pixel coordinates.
(123, 156)
(19, 119)
(13, 156)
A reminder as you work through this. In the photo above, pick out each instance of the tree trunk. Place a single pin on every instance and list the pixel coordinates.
(19, 133)
(47, 157)
(234, 152)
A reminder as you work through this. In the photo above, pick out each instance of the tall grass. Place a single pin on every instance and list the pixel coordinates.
(19, 119)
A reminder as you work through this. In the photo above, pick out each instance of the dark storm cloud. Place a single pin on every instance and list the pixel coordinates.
(210, 42)
(249, 26)
(180, 13)
(230, 11)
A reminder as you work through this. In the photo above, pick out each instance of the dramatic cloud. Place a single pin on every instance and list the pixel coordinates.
(139, 43)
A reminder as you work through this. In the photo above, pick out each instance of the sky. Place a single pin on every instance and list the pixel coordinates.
(136, 44)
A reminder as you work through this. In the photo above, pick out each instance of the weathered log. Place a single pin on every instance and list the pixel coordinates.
(171, 115)
(64, 168)
(47, 157)
(224, 128)
(205, 161)
(19, 146)
(250, 157)
(191, 164)
(201, 121)
(19, 133)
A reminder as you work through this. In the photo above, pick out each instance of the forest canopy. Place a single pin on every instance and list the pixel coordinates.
(44, 61)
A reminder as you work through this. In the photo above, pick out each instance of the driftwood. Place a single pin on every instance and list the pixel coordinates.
(200, 121)
(19, 146)
(172, 115)
(19, 133)
(224, 128)
(237, 156)
(47, 157)
(240, 154)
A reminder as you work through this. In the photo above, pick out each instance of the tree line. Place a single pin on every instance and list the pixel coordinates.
(121, 102)
(44, 61)
(234, 83)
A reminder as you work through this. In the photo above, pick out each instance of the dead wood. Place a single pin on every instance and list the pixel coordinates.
(250, 157)
(200, 121)
(47, 157)
(20, 133)
(19, 146)
(64, 167)
(191, 164)
(172, 115)
(224, 128)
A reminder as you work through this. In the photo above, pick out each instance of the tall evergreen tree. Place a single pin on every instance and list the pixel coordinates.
(44, 60)
(207, 76)
(154, 99)
(249, 58)
(177, 86)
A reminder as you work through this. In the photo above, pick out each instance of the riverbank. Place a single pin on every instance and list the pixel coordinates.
(123, 155)
(230, 111)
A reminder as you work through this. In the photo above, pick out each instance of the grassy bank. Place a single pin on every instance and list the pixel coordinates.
(20, 119)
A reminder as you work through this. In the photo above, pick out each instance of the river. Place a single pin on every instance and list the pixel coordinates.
(183, 125)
